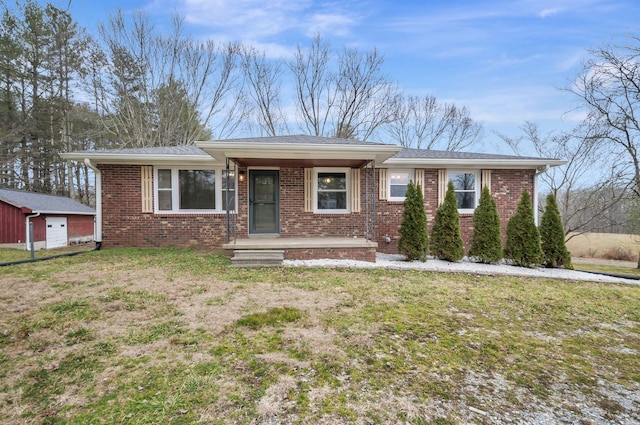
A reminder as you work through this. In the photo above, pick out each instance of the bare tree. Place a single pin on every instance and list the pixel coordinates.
(263, 79)
(315, 86)
(608, 88)
(587, 196)
(424, 123)
(155, 90)
(364, 94)
(341, 95)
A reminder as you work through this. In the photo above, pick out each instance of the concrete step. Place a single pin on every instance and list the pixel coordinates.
(257, 258)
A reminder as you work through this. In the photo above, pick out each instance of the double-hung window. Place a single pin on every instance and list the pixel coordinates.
(466, 187)
(398, 182)
(186, 190)
(332, 190)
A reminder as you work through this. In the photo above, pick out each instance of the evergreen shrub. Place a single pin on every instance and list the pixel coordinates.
(446, 241)
(414, 238)
(523, 239)
(552, 237)
(486, 244)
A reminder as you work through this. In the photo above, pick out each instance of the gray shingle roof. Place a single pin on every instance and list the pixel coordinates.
(405, 153)
(302, 139)
(435, 154)
(161, 150)
(39, 202)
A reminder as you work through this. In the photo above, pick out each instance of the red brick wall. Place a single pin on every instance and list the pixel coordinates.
(125, 225)
(506, 188)
(295, 222)
(358, 254)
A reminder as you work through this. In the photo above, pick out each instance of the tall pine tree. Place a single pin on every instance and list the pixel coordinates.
(413, 229)
(446, 241)
(552, 236)
(486, 244)
(523, 239)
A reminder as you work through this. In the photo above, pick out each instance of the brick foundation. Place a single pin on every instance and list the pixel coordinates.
(359, 254)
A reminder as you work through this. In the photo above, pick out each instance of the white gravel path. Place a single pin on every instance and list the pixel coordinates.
(397, 262)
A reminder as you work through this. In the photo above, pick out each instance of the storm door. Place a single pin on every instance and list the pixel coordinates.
(264, 200)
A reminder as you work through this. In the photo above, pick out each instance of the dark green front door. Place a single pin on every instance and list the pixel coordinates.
(264, 214)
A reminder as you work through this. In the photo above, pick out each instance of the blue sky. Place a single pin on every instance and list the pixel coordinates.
(505, 60)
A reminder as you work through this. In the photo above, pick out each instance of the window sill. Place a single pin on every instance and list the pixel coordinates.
(332, 213)
(192, 213)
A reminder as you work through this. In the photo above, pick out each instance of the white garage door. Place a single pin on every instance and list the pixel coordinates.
(56, 232)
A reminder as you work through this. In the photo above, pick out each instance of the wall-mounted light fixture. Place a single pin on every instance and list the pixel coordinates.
(241, 175)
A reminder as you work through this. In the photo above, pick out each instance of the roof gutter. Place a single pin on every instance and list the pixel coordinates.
(474, 163)
(143, 159)
(98, 230)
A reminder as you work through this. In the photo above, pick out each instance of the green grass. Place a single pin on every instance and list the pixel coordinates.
(618, 270)
(9, 254)
(272, 317)
(177, 336)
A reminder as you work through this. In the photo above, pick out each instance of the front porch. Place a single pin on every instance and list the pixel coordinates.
(359, 249)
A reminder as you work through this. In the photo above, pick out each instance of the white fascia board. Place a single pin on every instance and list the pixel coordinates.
(221, 151)
(65, 212)
(473, 163)
(140, 159)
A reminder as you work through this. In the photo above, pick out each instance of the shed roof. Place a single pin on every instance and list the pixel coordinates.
(43, 203)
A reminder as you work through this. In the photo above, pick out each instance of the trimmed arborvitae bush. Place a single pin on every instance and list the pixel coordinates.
(446, 242)
(523, 239)
(486, 245)
(414, 238)
(552, 237)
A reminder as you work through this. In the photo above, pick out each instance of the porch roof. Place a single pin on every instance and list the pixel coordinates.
(299, 150)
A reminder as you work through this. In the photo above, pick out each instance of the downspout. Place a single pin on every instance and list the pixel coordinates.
(26, 230)
(541, 170)
(98, 231)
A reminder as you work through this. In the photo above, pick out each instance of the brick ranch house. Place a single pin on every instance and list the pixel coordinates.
(312, 197)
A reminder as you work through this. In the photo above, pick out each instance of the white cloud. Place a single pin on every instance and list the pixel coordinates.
(329, 24)
(244, 18)
(265, 22)
(549, 12)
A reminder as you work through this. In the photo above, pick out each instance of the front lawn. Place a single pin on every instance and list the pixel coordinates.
(178, 336)
(9, 255)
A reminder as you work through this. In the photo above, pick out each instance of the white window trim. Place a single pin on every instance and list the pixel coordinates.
(412, 177)
(347, 173)
(175, 192)
(476, 189)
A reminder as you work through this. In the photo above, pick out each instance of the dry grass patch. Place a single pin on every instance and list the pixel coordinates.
(611, 246)
(173, 336)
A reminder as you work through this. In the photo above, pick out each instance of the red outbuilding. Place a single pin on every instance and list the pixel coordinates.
(57, 221)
